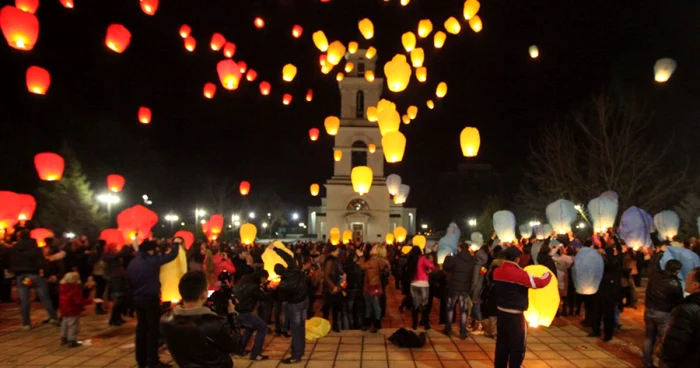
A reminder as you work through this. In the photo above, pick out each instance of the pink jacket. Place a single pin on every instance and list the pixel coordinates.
(423, 266)
(220, 265)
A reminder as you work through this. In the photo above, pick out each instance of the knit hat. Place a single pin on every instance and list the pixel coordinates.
(70, 278)
(512, 253)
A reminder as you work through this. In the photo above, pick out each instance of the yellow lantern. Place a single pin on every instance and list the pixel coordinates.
(372, 148)
(361, 177)
(405, 2)
(412, 112)
(270, 258)
(430, 104)
(337, 155)
(372, 114)
(534, 51)
(314, 189)
(475, 24)
(248, 232)
(366, 27)
(347, 236)
(349, 66)
(320, 41)
(419, 241)
(663, 69)
(422, 74)
(336, 52)
(352, 47)
(543, 303)
(370, 53)
(335, 236)
(340, 76)
(408, 40)
(470, 141)
(417, 57)
(389, 121)
(425, 26)
(452, 25)
(289, 72)
(471, 7)
(400, 234)
(406, 120)
(439, 39)
(369, 76)
(385, 104)
(326, 68)
(406, 249)
(441, 90)
(389, 239)
(332, 123)
(397, 73)
(394, 145)
(170, 274)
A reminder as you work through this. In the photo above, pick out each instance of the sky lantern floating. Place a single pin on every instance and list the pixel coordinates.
(38, 80)
(402, 195)
(422, 74)
(115, 183)
(337, 155)
(475, 24)
(366, 28)
(534, 51)
(27, 206)
(560, 214)
(29, 6)
(309, 95)
(322, 59)
(412, 112)
(335, 236)
(352, 47)
(320, 41)
(389, 239)
(471, 7)
(248, 232)
(470, 141)
(259, 22)
(289, 71)
(340, 76)
(369, 75)
(187, 236)
(385, 104)
(419, 241)
(314, 189)
(20, 28)
(229, 49)
(68, 4)
(49, 166)
(635, 228)
(667, 224)
(251, 75)
(405, 119)
(118, 38)
(144, 115)
(372, 148)
(185, 31)
(603, 211)
(417, 57)
(217, 41)
(313, 134)
(393, 183)
(297, 31)
(504, 226)
(244, 188)
(10, 205)
(543, 302)
(439, 39)
(405, 2)
(425, 27)
(332, 123)
(209, 90)
(40, 236)
(663, 69)
(229, 74)
(400, 234)
(286, 99)
(336, 52)
(347, 236)
(397, 73)
(408, 40)
(216, 224)
(389, 121)
(430, 104)
(264, 88)
(372, 114)
(349, 66)
(452, 26)
(326, 68)
(242, 66)
(361, 177)
(149, 6)
(190, 43)
(394, 144)
(136, 223)
(441, 90)
(370, 53)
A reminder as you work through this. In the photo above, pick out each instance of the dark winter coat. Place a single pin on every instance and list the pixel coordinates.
(664, 292)
(26, 258)
(292, 288)
(481, 259)
(680, 346)
(144, 274)
(460, 269)
(248, 293)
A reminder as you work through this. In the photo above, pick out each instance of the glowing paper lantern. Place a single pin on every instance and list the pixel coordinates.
(209, 90)
(471, 7)
(389, 121)
(29, 6)
(419, 241)
(20, 28)
(289, 71)
(248, 233)
(408, 40)
(149, 6)
(372, 114)
(229, 49)
(389, 239)
(406, 120)
(10, 206)
(190, 43)
(349, 66)
(393, 183)
(67, 4)
(186, 236)
(448, 243)
(38, 80)
(385, 105)
(27, 206)
(525, 231)
(314, 189)
(587, 271)
(504, 225)
(270, 258)
(113, 237)
(366, 28)
(400, 234)
(242, 66)
(118, 38)
(229, 74)
(339, 77)
(264, 88)
(394, 144)
(320, 41)
(406, 249)
(286, 99)
(412, 112)
(216, 224)
(332, 124)
(439, 39)
(259, 22)
(372, 147)
(397, 73)
(543, 303)
(689, 260)
(425, 27)
(309, 95)
(170, 275)
(336, 52)
(560, 215)
(603, 211)
(251, 75)
(185, 31)
(475, 24)
(452, 26)
(534, 51)
(313, 134)
(347, 236)
(430, 104)
(40, 236)
(635, 226)
(335, 236)
(244, 188)
(370, 53)
(49, 166)
(369, 75)
(477, 238)
(217, 41)
(402, 196)
(337, 155)
(441, 90)
(297, 31)
(417, 57)
(361, 177)
(352, 47)
(404, 2)
(667, 223)
(422, 74)
(663, 69)
(115, 183)
(144, 115)
(136, 222)
(470, 141)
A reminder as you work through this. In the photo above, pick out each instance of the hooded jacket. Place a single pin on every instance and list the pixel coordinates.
(26, 257)
(70, 299)
(461, 272)
(680, 346)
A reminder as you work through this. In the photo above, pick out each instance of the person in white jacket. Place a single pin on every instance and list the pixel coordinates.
(563, 261)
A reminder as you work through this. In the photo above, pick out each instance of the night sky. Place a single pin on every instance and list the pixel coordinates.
(585, 47)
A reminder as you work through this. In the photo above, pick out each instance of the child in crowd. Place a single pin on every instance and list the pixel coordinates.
(71, 304)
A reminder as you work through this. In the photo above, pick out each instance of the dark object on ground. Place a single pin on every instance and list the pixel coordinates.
(404, 338)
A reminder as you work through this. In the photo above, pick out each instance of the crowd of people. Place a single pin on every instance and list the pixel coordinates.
(482, 284)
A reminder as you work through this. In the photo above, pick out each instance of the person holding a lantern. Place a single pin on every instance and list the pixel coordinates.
(461, 273)
(249, 292)
(292, 290)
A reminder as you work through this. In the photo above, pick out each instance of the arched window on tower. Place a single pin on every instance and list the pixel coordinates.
(361, 68)
(358, 205)
(359, 154)
(360, 105)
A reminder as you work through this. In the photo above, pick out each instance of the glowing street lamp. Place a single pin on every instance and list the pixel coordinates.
(264, 225)
(251, 215)
(109, 199)
(146, 201)
(171, 218)
(471, 222)
(295, 216)
(70, 235)
(197, 214)
(424, 226)
(202, 221)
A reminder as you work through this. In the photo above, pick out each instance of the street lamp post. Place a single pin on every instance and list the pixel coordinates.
(171, 218)
(197, 214)
(109, 199)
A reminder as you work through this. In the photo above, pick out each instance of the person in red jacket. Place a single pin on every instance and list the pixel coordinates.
(71, 304)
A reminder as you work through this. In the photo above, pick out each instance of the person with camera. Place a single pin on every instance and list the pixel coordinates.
(293, 291)
(248, 292)
(195, 335)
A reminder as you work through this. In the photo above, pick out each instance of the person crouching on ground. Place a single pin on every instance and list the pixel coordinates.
(293, 290)
(71, 304)
(511, 284)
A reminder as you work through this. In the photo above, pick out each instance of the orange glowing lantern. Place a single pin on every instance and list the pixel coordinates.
(366, 27)
(372, 148)
(347, 236)
(264, 88)
(452, 25)
(422, 74)
(309, 95)
(361, 178)
(332, 123)
(216, 224)
(144, 115)
(335, 236)
(394, 144)
(187, 236)
(115, 183)
(38, 80)
(40, 236)
(337, 155)
(27, 207)
(430, 104)
(190, 43)
(49, 166)
(20, 28)
(217, 41)
(336, 52)
(286, 99)
(313, 134)
(185, 31)
(149, 6)
(259, 22)
(229, 49)
(118, 38)
(412, 112)
(251, 75)
(340, 76)
(475, 24)
(229, 74)
(113, 237)
(425, 27)
(289, 71)
(320, 41)
(315, 188)
(349, 67)
(369, 75)
(439, 39)
(10, 205)
(352, 47)
(67, 3)
(209, 90)
(136, 222)
(242, 66)
(244, 188)
(297, 31)
(441, 90)
(322, 59)
(29, 6)
(408, 40)
(471, 7)
(370, 53)
(406, 119)
(248, 232)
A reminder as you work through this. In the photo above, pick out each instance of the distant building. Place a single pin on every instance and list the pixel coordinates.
(373, 215)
